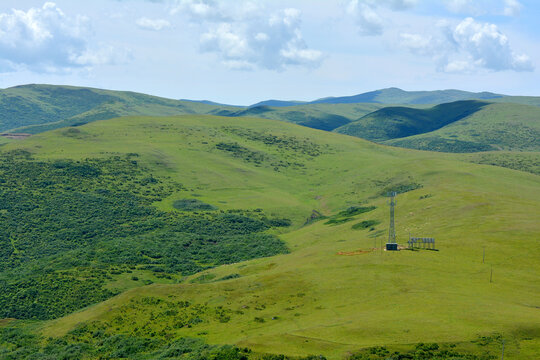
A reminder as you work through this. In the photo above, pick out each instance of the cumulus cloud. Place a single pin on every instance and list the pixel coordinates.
(46, 39)
(244, 37)
(366, 15)
(153, 24)
(467, 47)
(368, 21)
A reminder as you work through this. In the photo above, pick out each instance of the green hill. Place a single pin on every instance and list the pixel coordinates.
(202, 231)
(318, 116)
(524, 100)
(462, 126)
(398, 122)
(38, 108)
(494, 127)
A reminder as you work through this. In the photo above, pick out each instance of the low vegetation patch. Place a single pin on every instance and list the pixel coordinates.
(400, 188)
(348, 214)
(290, 143)
(258, 158)
(366, 224)
(69, 228)
(315, 216)
(528, 162)
(97, 340)
(192, 205)
(356, 210)
(435, 143)
(431, 351)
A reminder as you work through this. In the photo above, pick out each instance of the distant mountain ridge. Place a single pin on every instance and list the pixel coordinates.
(279, 103)
(399, 96)
(393, 96)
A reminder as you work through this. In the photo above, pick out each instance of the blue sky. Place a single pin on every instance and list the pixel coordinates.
(244, 51)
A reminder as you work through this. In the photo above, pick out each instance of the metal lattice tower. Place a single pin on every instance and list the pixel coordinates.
(392, 228)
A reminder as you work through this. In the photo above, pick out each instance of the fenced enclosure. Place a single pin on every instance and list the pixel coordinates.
(421, 243)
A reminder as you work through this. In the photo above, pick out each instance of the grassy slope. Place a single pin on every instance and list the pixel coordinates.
(318, 116)
(38, 108)
(525, 100)
(324, 302)
(398, 122)
(498, 126)
(4, 140)
(517, 160)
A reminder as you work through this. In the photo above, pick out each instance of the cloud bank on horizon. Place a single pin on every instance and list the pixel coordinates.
(454, 36)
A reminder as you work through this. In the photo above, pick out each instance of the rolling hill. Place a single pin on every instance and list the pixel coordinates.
(305, 211)
(37, 108)
(318, 116)
(495, 127)
(463, 126)
(397, 122)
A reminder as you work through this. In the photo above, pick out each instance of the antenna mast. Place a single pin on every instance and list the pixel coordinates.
(392, 229)
(391, 244)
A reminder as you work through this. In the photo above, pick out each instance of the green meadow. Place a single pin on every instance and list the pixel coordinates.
(510, 127)
(334, 292)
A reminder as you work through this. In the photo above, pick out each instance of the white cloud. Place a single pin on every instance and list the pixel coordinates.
(153, 24)
(103, 55)
(512, 8)
(244, 37)
(368, 21)
(45, 40)
(417, 43)
(366, 15)
(198, 9)
(468, 46)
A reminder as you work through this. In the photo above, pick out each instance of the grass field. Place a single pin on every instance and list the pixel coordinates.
(496, 126)
(398, 121)
(314, 300)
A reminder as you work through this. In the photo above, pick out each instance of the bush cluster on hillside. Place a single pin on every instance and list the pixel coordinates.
(87, 343)
(66, 227)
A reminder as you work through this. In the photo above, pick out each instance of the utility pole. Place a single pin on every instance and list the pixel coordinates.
(502, 357)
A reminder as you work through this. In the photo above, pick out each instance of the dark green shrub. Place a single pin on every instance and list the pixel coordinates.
(192, 205)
